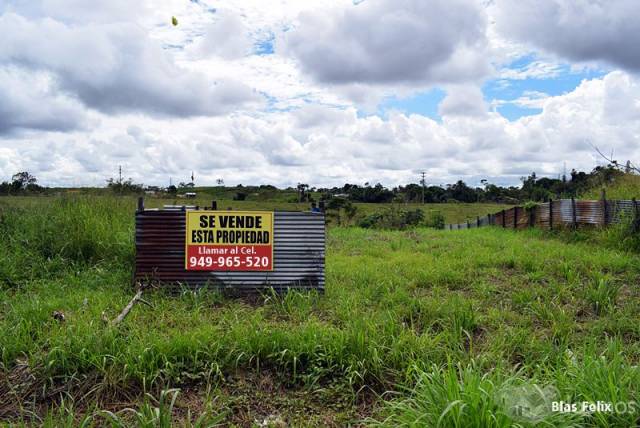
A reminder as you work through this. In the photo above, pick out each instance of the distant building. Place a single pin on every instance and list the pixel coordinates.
(190, 195)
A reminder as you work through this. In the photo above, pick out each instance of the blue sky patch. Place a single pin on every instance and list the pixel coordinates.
(514, 112)
(504, 92)
(560, 80)
(424, 103)
(514, 88)
(264, 46)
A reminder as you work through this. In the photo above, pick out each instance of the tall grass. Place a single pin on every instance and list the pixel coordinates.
(625, 186)
(77, 229)
(47, 237)
(463, 396)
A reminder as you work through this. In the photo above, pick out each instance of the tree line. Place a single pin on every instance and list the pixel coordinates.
(532, 188)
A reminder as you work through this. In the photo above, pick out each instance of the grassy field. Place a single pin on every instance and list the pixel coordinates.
(417, 328)
(453, 212)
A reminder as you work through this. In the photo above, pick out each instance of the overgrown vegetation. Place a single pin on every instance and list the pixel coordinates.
(624, 186)
(451, 324)
(623, 236)
(396, 218)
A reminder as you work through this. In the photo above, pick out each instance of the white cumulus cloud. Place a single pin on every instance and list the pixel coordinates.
(577, 30)
(390, 42)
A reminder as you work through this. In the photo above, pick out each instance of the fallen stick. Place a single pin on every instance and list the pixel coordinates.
(128, 308)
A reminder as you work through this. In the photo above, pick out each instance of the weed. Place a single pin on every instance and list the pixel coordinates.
(601, 294)
(159, 413)
(459, 396)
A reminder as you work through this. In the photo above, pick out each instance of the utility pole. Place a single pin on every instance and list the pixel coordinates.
(564, 179)
(423, 182)
(120, 179)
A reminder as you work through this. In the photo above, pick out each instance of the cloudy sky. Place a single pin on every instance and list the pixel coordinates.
(323, 91)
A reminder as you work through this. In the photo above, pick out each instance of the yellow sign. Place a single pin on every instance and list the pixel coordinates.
(229, 240)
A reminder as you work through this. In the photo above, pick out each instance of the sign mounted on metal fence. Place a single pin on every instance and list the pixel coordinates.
(250, 251)
(229, 241)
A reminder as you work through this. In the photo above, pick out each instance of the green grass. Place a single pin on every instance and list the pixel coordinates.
(417, 328)
(626, 186)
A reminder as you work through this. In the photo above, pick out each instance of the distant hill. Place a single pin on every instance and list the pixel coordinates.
(625, 186)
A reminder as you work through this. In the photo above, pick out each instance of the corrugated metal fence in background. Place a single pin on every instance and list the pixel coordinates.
(558, 213)
(299, 254)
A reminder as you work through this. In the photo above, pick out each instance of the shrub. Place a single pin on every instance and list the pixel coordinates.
(393, 218)
(413, 217)
(436, 220)
(370, 221)
(336, 203)
(342, 211)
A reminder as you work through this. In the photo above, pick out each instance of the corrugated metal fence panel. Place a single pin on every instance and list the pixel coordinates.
(587, 212)
(523, 219)
(299, 254)
(562, 212)
(560, 208)
(611, 211)
(508, 218)
(542, 216)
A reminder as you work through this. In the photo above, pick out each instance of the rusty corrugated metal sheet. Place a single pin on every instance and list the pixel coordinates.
(299, 254)
(558, 211)
(542, 216)
(524, 217)
(586, 212)
(508, 218)
(589, 212)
